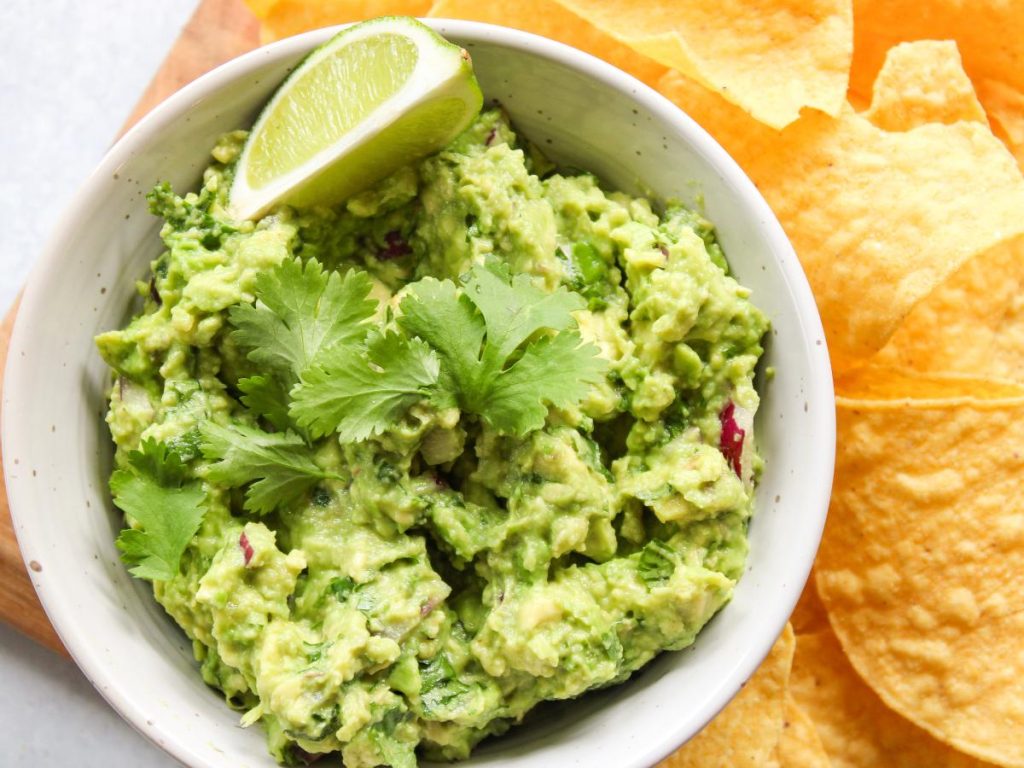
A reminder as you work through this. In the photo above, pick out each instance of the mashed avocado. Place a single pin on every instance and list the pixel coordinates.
(424, 585)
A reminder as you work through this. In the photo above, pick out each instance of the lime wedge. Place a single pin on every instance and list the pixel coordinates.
(375, 97)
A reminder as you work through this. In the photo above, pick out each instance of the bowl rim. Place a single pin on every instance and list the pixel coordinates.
(48, 263)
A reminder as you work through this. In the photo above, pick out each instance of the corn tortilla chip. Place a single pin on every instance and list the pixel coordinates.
(856, 729)
(799, 745)
(283, 18)
(260, 8)
(966, 325)
(809, 614)
(923, 82)
(745, 733)
(550, 19)
(1008, 344)
(878, 218)
(1005, 107)
(920, 565)
(971, 324)
(888, 388)
(770, 57)
(987, 32)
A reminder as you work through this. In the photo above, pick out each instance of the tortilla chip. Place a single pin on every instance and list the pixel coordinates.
(809, 614)
(284, 18)
(1008, 344)
(987, 32)
(550, 19)
(746, 732)
(966, 324)
(878, 218)
(890, 388)
(770, 57)
(260, 8)
(856, 729)
(923, 82)
(920, 565)
(1005, 107)
(800, 746)
(972, 324)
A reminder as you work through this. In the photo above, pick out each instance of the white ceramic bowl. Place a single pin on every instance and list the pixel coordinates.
(56, 448)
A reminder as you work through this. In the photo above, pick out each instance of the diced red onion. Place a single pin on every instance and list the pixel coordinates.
(247, 550)
(731, 441)
(394, 246)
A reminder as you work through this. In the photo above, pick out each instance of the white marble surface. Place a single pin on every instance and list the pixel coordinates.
(70, 73)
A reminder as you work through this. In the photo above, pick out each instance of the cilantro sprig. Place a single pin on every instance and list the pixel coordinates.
(165, 510)
(500, 348)
(499, 357)
(300, 314)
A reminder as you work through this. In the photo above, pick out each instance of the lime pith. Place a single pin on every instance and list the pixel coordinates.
(375, 97)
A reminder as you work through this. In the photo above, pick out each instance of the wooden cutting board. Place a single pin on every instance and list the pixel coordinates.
(219, 30)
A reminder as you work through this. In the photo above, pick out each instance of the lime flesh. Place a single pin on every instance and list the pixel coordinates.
(375, 97)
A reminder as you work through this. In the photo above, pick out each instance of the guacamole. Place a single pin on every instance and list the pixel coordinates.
(393, 539)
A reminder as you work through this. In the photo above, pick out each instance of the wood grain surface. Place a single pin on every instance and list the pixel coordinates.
(219, 30)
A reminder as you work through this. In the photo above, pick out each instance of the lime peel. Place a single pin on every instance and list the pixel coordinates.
(376, 96)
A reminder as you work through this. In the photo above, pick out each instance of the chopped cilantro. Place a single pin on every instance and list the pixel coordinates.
(657, 563)
(391, 749)
(191, 212)
(164, 510)
(341, 587)
(440, 689)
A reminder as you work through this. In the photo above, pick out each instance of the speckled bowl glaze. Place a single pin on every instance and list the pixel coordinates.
(57, 453)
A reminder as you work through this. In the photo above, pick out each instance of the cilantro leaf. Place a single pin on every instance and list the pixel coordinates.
(514, 312)
(496, 363)
(164, 509)
(436, 312)
(267, 396)
(279, 465)
(360, 391)
(300, 313)
(556, 370)
(302, 310)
